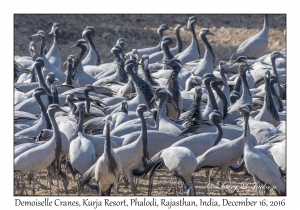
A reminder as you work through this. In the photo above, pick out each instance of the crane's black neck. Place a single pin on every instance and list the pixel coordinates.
(43, 45)
(219, 131)
(69, 74)
(207, 46)
(167, 54)
(77, 61)
(269, 103)
(144, 138)
(195, 37)
(56, 39)
(43, 110)
(120, 68)
(38, 71)
(245, 84)
(112, 164)
(88, 101)
(161, 34)
(32, 73)
(221, 95)
(266, 22)
(92, 46)
(179, 40)
(72, 106)
(211, 96)
(80, 122)
(276, 98)
(56, 135)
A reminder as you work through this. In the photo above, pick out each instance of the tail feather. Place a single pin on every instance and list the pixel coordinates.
(86, 178)
(154, 161)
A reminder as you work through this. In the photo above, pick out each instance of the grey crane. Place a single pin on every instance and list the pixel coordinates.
(43, 122)
(78, 74)
(82, 151)
(162, 96)
(274, 56)
(180, 161)
(107, 169)
(50, 68)
(206, 64)
(192, 52)
(53, 55)
(256, 45)
(258, 165)
(222, 155)
(173, 86)
(118, 75)
(268, 113)
(92, 58)
(38, 158)
(151, 50)
(143, 89)
(160, 55)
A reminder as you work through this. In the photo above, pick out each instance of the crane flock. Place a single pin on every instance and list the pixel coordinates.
(152, 109)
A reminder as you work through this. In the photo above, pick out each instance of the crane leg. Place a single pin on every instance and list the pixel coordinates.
(193, 183)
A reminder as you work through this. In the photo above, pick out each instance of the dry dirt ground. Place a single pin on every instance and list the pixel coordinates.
(242, 185)
(139, 31)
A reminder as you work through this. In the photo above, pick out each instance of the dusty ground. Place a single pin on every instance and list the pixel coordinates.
(139, 31)
(242, 183)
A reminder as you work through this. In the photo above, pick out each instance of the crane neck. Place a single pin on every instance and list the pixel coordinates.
(120, 68)
(179, 41)
(43, 45)
(56, 135)
(266, 23)
(194, 38)
(211, 97)
(72, 106)
(32, 74)
(246, 91)
(268, 101)
(208, 48)
(43, 110)
(69, 74)
(92, 47)
(167, 54)
(112, 165)
(219, 131)
(143, 135)
(221, 95)
(161, 34)
(80, 123)
(78, 60)
(38, 71)
(88, 101)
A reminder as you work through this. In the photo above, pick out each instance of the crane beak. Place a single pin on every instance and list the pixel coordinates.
(56, 79)
(210, 33)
